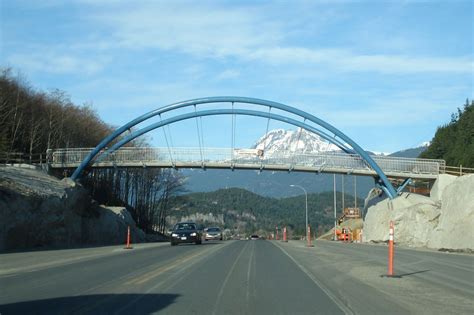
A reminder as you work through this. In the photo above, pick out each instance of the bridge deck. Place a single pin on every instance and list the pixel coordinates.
(226, 158)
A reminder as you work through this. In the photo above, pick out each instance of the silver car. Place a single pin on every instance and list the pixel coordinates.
(213, 233)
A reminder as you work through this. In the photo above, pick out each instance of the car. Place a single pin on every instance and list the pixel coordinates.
(213, 233)
(254, 237)
(186, 232)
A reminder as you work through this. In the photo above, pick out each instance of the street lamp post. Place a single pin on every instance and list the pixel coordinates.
(335, 216)
(306, 199)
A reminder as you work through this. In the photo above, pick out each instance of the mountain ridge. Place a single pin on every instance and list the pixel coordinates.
(245, 212)
(300, 140)
(276, 184)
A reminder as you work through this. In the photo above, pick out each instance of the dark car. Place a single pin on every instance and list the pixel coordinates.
(213, 233)
(185, 232)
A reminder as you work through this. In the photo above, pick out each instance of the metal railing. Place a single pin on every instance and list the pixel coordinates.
(22, 158)
(457, 170)
(227, 157)
(128, 156)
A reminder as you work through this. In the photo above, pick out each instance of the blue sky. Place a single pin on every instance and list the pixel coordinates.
(386, 73)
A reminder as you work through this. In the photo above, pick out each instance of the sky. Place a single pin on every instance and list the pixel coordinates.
(386, 73)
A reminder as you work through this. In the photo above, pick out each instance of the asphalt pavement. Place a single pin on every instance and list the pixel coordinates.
(235, 277)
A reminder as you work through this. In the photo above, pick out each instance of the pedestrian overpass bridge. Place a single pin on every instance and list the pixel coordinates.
(112, 151)
(250, 159)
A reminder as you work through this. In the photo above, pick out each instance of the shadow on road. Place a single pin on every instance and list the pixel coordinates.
(202, 244)
(66, 247)
(211, 242)
(93, 304)
(405, 274)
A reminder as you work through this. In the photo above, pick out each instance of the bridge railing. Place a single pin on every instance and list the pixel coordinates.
(228, 156)
(409, 165)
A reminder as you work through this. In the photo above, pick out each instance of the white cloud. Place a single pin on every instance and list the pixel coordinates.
(397, 111)
(228, 74)
(199, 30)
(245, 33)
(57, 63)
(406, 64)
(251, 35)
(346, 61)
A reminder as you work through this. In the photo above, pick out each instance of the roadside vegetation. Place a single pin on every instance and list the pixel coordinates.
(246, 212)
(34, 121)
(454, 142)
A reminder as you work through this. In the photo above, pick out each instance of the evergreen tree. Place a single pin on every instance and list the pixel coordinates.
(454, 142)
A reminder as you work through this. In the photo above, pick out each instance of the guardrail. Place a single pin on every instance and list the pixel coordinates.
(227, 157)
(23, 158)
(457, 170)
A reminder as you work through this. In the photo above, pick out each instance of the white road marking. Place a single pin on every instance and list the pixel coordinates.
(248, 272)
(221, 291)
(334, 298)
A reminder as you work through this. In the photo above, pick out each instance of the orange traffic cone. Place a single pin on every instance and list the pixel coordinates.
(128, 246)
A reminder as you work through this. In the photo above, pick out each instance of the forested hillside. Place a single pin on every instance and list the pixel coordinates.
(454, 142)
(251, 212)
(33, 121)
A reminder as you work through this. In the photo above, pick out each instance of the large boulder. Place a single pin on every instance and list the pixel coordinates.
(414, 217)
(110, 226)
(440, 185)
(456, 224)
(427, 222)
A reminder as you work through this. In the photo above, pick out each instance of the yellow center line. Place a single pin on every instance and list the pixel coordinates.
(172, 265)
(155, 273)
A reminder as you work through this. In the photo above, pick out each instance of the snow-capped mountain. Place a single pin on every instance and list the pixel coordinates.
(425, 144)
(301, 141)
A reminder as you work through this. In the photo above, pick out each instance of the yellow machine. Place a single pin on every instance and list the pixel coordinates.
(345, 233)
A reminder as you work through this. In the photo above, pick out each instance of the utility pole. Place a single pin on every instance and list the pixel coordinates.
(355, 192)
(306, 202)
(335, 218)
(342, 177)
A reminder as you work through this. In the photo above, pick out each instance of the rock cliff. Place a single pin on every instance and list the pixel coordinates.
(38, 210)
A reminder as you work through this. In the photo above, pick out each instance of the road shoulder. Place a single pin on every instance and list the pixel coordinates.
(354, 273)
(14, 263)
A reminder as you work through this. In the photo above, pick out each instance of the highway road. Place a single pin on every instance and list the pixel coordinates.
(236, 277)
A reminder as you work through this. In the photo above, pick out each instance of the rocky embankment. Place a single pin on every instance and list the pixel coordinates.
(442, 221)
(38, 210)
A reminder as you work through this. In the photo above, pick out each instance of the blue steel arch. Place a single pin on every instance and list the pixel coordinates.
(254, 113)
(383, 180)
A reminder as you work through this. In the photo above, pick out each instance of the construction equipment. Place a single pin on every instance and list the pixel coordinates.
(352, 213)
(344, 234)
(349, 213)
